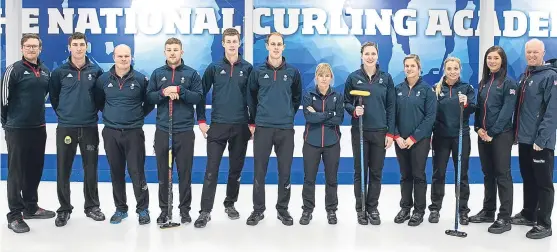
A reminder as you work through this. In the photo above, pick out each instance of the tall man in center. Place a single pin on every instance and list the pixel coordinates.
(229, 123)
(180, 85)
(275, 93)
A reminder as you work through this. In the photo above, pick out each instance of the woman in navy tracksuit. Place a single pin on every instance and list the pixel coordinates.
(415, 114)
(378, 127)
(324, 112)
(493, 122)
(451, 93)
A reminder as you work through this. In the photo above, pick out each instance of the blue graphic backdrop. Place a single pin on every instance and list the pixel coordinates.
(304, 51)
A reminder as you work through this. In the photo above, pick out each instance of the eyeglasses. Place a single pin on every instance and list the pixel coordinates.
(29, 47)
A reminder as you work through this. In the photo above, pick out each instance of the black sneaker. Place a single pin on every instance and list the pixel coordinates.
(232, 213)
(483, 217)
(285, 218)
(362, 218)
(539, 232)
(374, 218)
(331, 217)
(163, 218)
(95, 214)
(500, 226)
(463, 219)
(118, 217)
(416, 219)
(62, 219)
(306, 217)
(19, 226)
(202, 220)
(433, 216)
(255, 218)
(519, 219)
(402, 216)
(143, 217)
(39, 214)
(185, 217)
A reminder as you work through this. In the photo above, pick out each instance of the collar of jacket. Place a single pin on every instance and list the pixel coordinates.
(375, 76)
(418, 82)
(318, 93)
(33, 65)
(127, 75)
(282, 64)
(71, 64)
(456, 84)
(225, 60)
(178, 67)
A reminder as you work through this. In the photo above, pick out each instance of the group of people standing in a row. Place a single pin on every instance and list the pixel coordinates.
(413, 115)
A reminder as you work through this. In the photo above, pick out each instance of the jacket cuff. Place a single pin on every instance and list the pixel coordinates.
(396, 137)
(390, 135)
(413, 139)
(465, 106)
(252, 125)
(201, 121)
(354, 114)
(178, 89)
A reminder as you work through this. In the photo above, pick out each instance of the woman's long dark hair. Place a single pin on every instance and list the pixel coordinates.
(502, 70)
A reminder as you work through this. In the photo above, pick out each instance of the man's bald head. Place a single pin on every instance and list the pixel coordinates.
(122, 57)
(535, 50)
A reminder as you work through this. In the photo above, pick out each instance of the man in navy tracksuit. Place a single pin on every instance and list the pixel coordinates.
(177, 86)
(451, 92)
(535, 126)
(275, 93)
(229, 124)
(416, 108)
(121, 95)
(71, 94)
(23, 90)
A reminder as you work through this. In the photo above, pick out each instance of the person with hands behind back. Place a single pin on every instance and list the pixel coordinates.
(378, 127)
(180, 84)
(451, 93)
(324, 112)
(493, 123)
(416, 108)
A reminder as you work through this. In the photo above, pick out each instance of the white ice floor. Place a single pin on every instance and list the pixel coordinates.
(221, 234)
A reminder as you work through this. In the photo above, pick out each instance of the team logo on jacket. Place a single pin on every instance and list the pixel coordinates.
(266, 76)
(285, 77)
(67, 140)
(442, 94)
(110, 85)
(43, 73)
(25, 73)
(418, 94)
(222, 72)
(89, 77)
(400, 94)
(512, 92)
(314, 98)
(335, 99)
(163, 78)
(380, 80)
(182, 80)
(241, 73)
(69, 75)
(530, 84)
(132, 86)
(359, 82)
(555, 82)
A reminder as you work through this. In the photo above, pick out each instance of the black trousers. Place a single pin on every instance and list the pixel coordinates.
(536, 168)
(495, 157)
(67, 140)
(26, 149)
(237, 137)
(412, 164)
(312, 157)
(182, 153)
(121, 147)
(374, 159)
(443, 147)
(264, 140)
